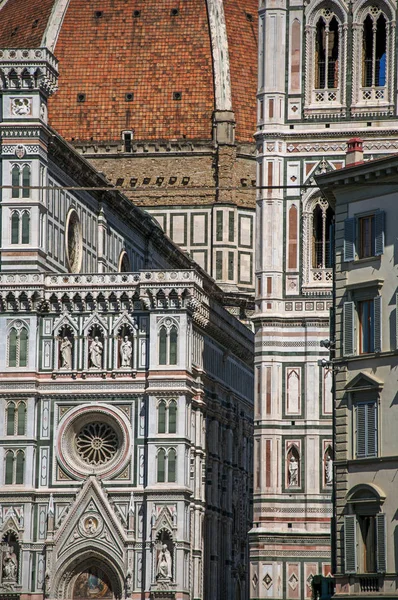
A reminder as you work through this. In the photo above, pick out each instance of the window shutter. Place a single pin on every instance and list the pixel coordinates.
(348, 324)
(371, 429)
(377, 324)
(379, 233)
(349, 239)
(396, 321)
(350, 543)
(361, 430)
(381, 543)
(330, 263)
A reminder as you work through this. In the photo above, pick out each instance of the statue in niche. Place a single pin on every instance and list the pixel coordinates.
(163, 569)
(10, 564)
(329, 470)
(65, 348)
(293, 471)
(126, 352)
(96, 348)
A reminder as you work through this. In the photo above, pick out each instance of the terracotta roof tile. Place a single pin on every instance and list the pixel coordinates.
(107, 55)
(152, 56)
(23, 22)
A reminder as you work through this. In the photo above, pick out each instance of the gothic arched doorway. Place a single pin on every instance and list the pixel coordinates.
(89, 577)
(92, 584)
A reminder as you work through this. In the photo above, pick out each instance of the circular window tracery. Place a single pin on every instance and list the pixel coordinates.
(94, 439)
(96, 443)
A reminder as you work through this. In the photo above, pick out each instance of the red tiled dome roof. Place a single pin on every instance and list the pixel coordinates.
(108, 49)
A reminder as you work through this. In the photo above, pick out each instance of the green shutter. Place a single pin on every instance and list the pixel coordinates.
(21, 418)
(371, 428)
(10, 418)
(348, 325)
(379, 233)
(23, 347)
(161, 466)
(350, 543)
(162, 346)
(15, 175)
(9, 468)
(349, 239)
(361, 430)
(396, 321)
(20, 467)
(381, 558)
(171, 466)
(25, 228)
(173, 417)
(173, 346)
(162, 417)
(12, 348)
(15, 228)
(377, 323)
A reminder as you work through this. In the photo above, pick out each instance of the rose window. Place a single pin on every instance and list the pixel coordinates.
(96, 443)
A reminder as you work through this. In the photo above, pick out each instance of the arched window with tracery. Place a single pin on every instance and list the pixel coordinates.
(20, 227)
(18, 346)
(373, 58)
(14, 467)
(16, 418)
(321, 234)
(327, 53)
(317, 238)
(167, 416)
(325, 72)
(20, 181)
(168, 343)
(374, 50)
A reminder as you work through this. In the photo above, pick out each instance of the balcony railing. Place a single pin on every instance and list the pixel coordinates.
(369, 583)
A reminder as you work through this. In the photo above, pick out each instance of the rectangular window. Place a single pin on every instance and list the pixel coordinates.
(366, 226)
(366, 430)
(230, 266)
(364, 236)
(366, 326)
(231, 226)
(218, 265)
(219, 226)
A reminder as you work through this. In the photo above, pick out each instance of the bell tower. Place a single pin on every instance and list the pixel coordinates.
(28, 77)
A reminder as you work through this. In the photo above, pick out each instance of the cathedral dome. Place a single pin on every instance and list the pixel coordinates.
(159, 68)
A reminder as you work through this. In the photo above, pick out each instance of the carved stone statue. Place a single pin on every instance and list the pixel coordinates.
(329, 470)
(10, 564)
(66, 353)
(96, 348)
(163, 570)
(293, 472)
(126, 351)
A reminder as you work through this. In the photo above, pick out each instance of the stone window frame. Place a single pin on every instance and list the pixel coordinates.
(15, 453)
(19, 326)
(23, 227)
(313, 278)
(168, 325)
(167, 405)
(166, 471)
(17, 425)
(327, 102)
(381, 101)
(17, 171)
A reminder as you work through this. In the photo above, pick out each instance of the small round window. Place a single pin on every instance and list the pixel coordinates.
(73, 242)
